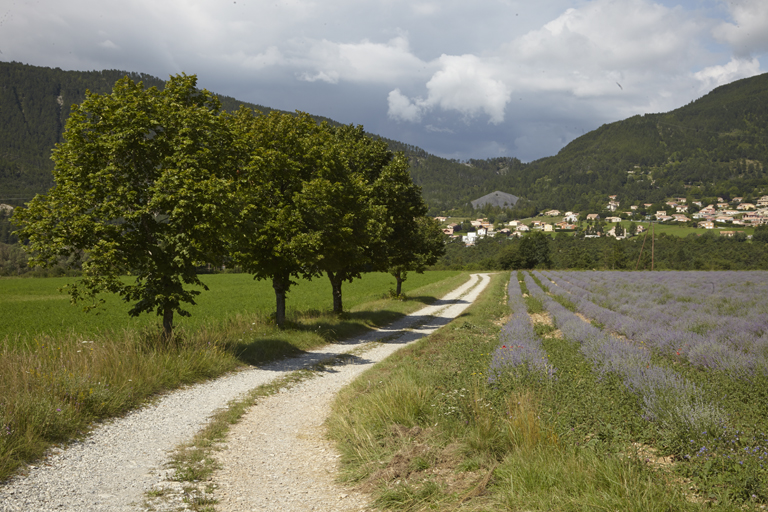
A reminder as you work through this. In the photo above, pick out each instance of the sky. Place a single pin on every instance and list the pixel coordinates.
(460, 79)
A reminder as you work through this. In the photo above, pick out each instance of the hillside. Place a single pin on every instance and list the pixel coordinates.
(714, 146)
(36, 102)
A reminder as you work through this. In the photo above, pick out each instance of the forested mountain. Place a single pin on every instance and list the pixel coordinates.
(35, 102)
(715, 146)
(34, 105)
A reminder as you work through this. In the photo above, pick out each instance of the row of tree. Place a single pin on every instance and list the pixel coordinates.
(707, 251)
(154, 183)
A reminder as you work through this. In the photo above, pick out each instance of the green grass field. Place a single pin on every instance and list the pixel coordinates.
(33, 306)
(683, 231)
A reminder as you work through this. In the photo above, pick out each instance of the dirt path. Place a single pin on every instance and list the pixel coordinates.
(277, 457)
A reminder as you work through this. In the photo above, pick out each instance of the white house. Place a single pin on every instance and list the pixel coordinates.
(612, 232)
(571, 217)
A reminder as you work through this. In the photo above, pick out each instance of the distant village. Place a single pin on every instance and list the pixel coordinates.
(723, 214)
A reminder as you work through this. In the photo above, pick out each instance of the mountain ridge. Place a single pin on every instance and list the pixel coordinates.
(716, 145)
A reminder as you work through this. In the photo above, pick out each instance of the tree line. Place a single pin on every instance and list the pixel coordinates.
(708, 251)
(154, 183)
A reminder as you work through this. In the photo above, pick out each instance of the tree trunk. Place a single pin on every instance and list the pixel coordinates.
(336, 280)
(280, 285)
(399, 281)
(167, 322)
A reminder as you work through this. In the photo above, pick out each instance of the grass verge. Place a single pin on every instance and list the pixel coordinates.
(55, 386)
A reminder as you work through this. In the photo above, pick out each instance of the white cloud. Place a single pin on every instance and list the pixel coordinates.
(748, 33)
(425, 8)
(468, 85)
(403, 109)
(365, 61)
(440, 63)
(634, 53)
(270, 57)
(588, 49)
(435, 129)
(331, 77)
(736, 69)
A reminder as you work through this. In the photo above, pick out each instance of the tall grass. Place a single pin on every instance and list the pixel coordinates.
(55, 385)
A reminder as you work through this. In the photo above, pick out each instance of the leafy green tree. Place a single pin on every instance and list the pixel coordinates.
(510, 258)
(761, 234)
(535, 250)
(347, 224)
(280, 154)
(412, 241)
(414, 248)
(141, 180)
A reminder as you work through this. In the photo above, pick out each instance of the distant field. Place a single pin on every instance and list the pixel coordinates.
(685, 231)
(34, 305)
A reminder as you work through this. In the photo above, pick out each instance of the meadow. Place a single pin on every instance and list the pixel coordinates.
(681, 231)
(573, 391)
(34, 306)
(67, 369)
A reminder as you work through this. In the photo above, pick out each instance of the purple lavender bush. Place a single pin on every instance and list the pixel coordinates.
(519, 353)
(704, 318)
(675, 405)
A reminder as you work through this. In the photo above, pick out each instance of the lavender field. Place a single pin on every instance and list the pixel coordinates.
(671, 362)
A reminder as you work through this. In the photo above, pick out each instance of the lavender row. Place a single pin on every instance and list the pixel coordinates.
(676, 405)
(520, 350)
(740, 355)
(727, 305)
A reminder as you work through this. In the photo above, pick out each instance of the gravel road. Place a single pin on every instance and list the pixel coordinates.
(276, 457)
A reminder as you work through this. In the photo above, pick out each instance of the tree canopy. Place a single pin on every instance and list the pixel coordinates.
(141, 179)
(320, 199)
(153, 183)
(281, 154)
